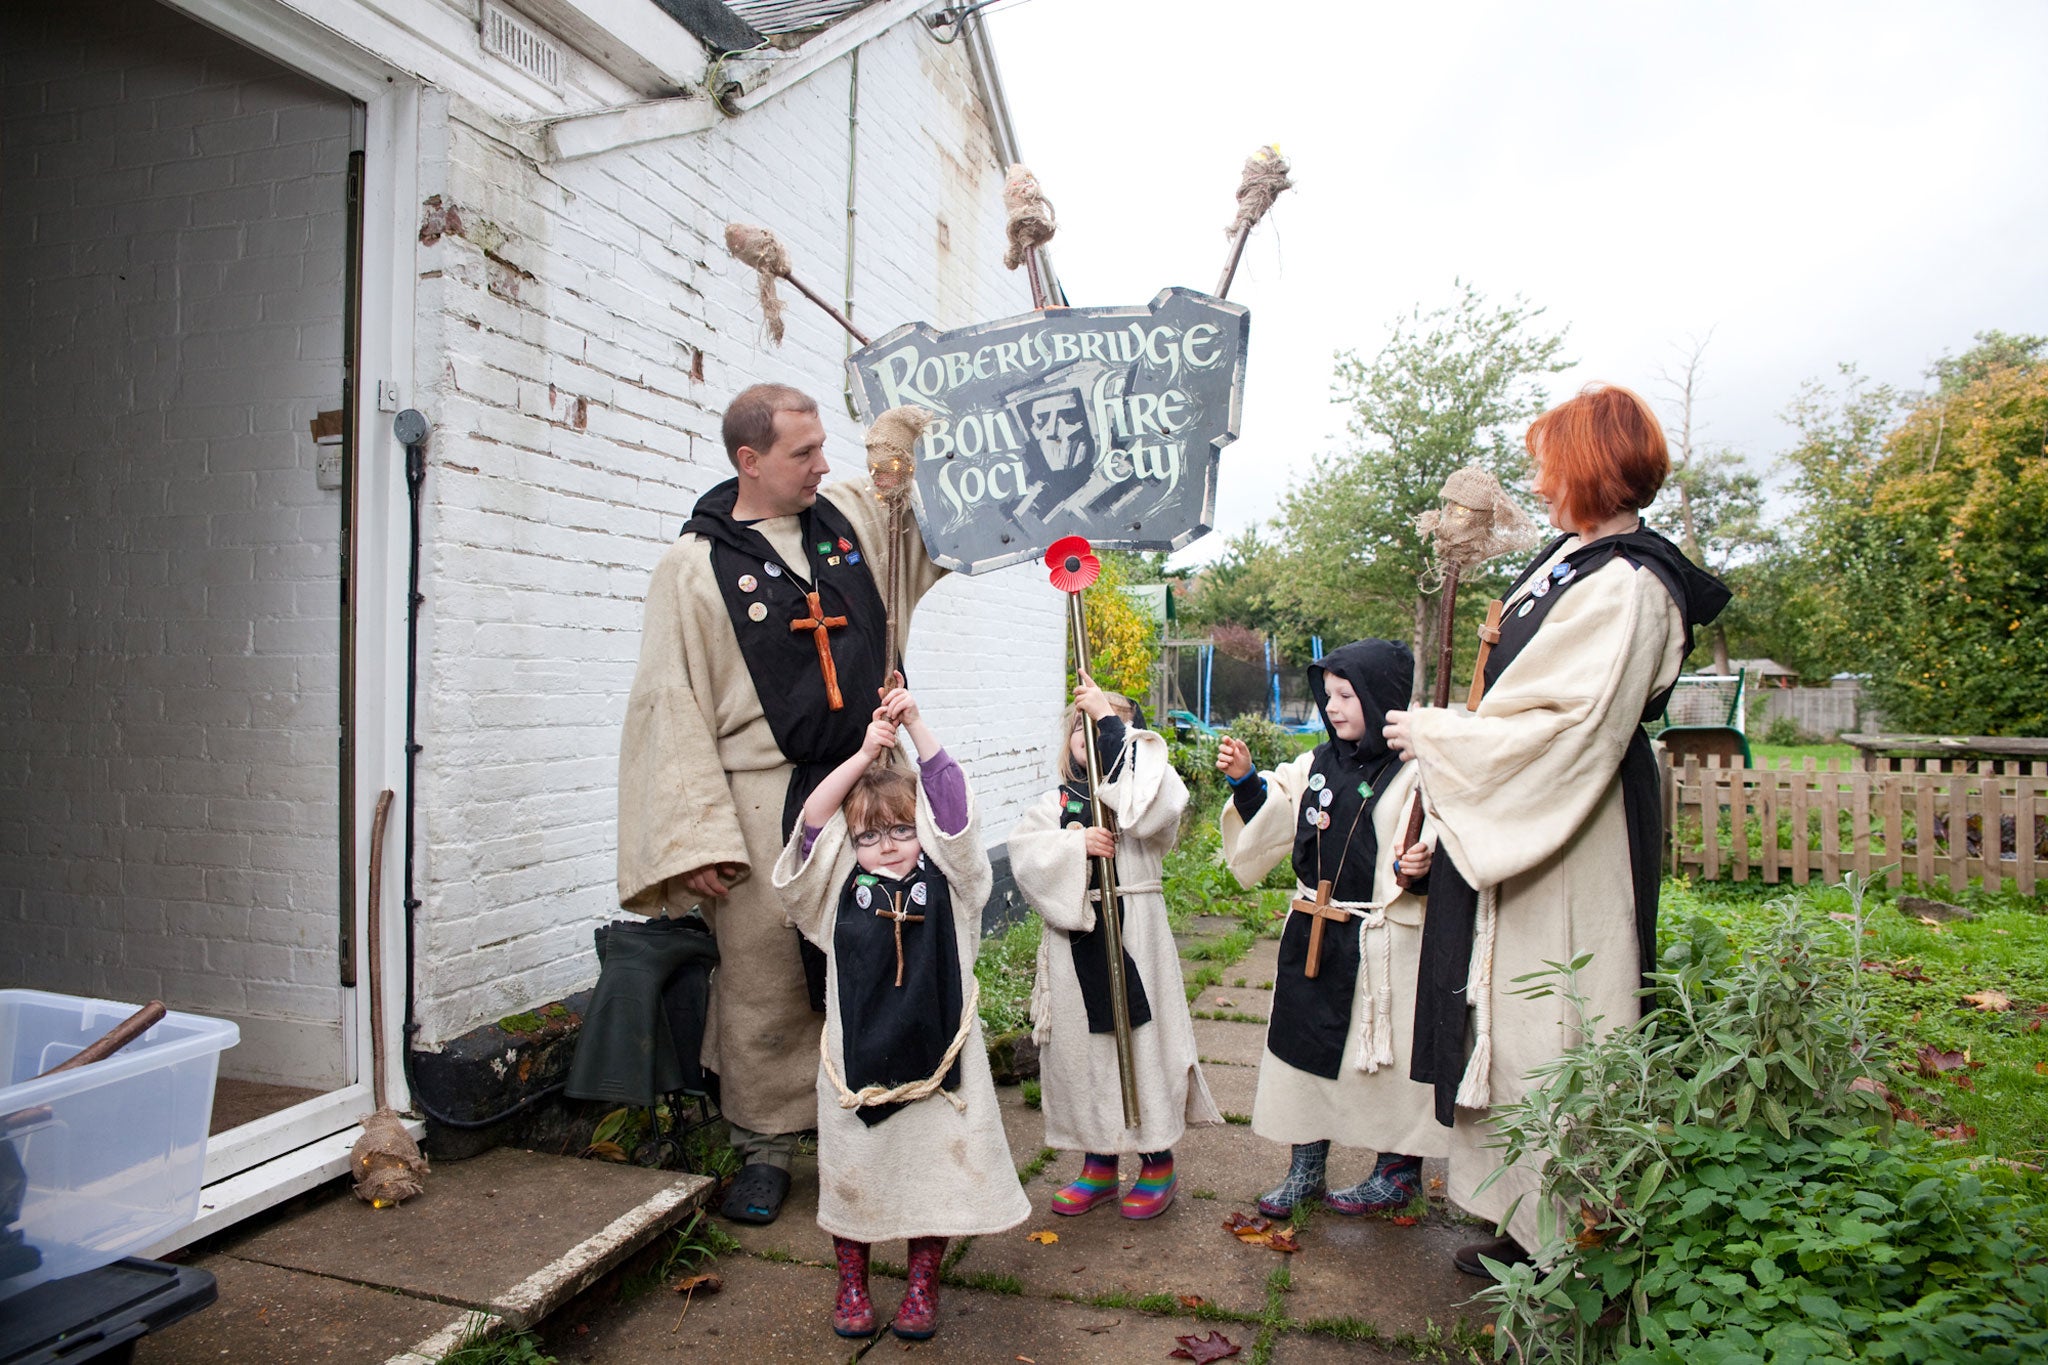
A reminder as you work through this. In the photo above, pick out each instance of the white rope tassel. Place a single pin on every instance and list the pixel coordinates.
(1376, 1020)
(1476, 1090)
(1041, 996)
(871, 1095)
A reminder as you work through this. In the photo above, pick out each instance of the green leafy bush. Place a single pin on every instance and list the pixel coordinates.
(1006, 968)
(1731, 1189)
(1271, 746)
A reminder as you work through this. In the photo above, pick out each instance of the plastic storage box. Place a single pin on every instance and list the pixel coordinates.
(102, 1161)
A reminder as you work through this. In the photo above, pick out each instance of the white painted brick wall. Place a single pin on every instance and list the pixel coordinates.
(556, 339)
(170, 280)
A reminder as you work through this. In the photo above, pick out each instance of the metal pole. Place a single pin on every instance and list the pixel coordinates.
(1105, 875)
(1230, 266)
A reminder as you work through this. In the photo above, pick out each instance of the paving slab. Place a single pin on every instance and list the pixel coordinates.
(287, 1317)
(510, 1231)
(1224, 1041)
(777, 1312)
(1399, 1279)
(1302, 1348)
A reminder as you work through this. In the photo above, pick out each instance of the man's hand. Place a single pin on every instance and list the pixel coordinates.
(1101, 842)
(1399, 737)
(1233, 759)
(712, 882)
(1092, 699)
(1414, 861)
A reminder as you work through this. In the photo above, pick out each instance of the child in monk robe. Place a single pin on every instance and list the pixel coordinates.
(1338, 1038)
(887, 876)
(1052, 855)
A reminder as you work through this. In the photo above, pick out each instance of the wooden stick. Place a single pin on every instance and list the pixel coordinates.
(815, 297)
(377, 823)
(1447, 608)
(1031, 272)
(1243, 235)
(116, 1038)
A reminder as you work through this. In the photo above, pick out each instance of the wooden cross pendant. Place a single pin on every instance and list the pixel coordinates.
(895, 912)
(1319, 912)
(818, 623)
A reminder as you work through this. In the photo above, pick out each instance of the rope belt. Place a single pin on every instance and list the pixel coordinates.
(1376, 1026)
(1128, 889)
(871, 1095)
(1475, 1091)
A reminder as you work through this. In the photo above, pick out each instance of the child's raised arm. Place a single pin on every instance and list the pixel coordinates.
(945, 786)
(830, 794)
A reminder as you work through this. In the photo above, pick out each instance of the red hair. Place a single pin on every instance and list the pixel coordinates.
(1598, 454)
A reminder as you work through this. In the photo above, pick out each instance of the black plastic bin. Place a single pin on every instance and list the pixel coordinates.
(101, 1314)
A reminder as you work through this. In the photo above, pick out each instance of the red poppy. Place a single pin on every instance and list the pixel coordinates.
(1073, 563)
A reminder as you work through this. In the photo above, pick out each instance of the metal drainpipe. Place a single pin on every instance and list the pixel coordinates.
(411, 429)
(852, 173)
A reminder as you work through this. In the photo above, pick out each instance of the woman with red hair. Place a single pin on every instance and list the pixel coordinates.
(1546, 799)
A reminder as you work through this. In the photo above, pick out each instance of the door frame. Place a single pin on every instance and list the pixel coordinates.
(271, 1158)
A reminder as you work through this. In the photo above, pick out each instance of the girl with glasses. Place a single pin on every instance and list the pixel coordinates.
(886, 874)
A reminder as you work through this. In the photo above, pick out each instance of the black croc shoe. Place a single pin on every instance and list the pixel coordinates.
(1505, 1250)
(756, 1194)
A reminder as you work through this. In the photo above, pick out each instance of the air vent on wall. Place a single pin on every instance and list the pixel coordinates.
(510, 37)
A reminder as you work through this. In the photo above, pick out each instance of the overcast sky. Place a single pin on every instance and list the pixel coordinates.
(1814, 183)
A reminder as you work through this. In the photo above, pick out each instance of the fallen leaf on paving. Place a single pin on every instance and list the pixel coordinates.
(1283, 1239)
(1989, 1002)
(1963, 1082)
(1192, 1301)
(1042, 1237)
(1026, 1359)
(1098, 1328)
(1934, 1061)
(1214, 1346)
(1436, 1184)
(1221, 1003)
(1246, 1228)
(1402, 1220)
(707, 1282)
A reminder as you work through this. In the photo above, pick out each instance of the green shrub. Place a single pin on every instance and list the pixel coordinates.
(1271, 746)
(1734, 1190)
(1006, 968)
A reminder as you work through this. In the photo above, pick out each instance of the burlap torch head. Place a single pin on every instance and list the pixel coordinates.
(892, 452)
(1030, 223)
(1477, 521)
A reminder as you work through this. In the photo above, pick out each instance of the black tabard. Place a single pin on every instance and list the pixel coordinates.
(783, 663)
(1441, 1009)
(1312, 1015)
(1091, 949)
(891, 1035)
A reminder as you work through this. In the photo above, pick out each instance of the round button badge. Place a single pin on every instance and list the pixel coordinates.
(757, 612)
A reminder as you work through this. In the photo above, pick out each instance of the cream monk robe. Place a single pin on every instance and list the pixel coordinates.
(1337, 1043)
(1052, 853)
(1546, 798)
(760, 662)
(888, 878)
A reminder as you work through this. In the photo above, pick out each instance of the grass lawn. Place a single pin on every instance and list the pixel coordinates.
(1919, 976)
(1799, 753)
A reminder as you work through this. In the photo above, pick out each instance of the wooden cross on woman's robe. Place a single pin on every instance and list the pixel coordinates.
(818, 623)
(895, 912)
(1318, 910)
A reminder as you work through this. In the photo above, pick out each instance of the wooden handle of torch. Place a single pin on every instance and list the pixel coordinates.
(116, 1038)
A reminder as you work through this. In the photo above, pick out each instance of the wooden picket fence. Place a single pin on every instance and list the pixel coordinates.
(1935, 820)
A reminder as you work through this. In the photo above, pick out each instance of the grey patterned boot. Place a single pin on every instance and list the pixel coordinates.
(1304, 1180)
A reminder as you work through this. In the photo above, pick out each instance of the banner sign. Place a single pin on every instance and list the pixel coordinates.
(1098, 422)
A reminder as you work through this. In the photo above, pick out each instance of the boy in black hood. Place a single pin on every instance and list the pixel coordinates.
(1337, 1046)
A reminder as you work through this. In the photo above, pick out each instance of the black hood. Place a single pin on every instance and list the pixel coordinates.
(1700, 596)
(1381, 672)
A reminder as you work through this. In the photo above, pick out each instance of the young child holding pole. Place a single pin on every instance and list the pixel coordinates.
(1341, 1027)
(1052, 854)
(887, 876)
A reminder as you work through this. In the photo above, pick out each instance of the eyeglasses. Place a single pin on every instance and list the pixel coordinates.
(868, 838)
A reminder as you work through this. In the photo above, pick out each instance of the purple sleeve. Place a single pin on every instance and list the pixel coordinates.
(811, 833)
(945, 786)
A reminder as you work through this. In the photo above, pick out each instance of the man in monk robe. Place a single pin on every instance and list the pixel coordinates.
(761, 659)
